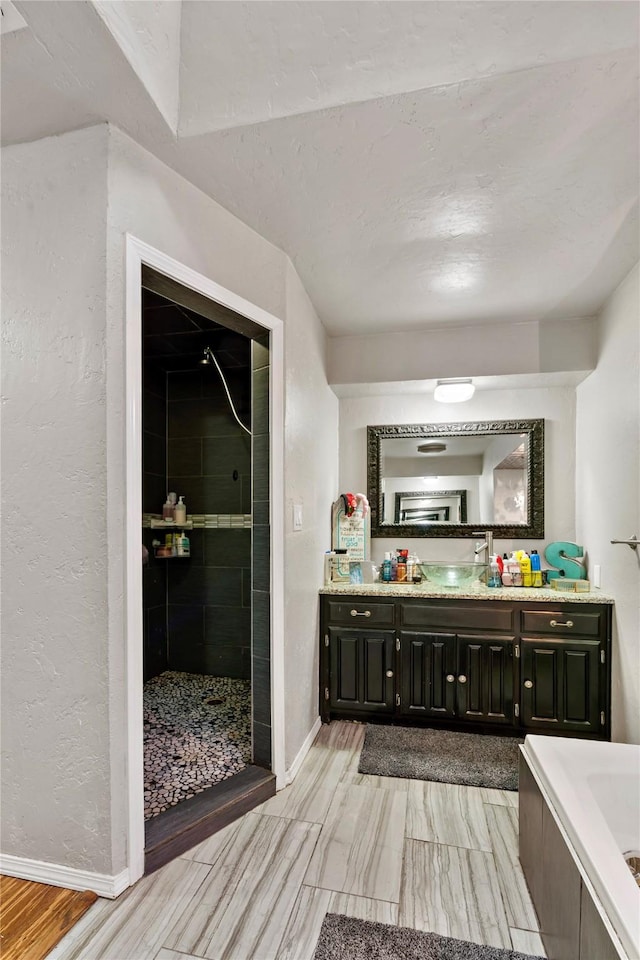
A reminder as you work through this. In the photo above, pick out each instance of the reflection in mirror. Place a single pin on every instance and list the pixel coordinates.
(451, 479)
(429, 506)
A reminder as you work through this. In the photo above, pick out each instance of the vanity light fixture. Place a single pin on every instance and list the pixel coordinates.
(453, 391)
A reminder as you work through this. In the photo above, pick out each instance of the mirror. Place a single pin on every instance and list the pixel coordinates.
(452, 479)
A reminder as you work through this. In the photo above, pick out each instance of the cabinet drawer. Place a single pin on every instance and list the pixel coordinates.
(361, 611)
(563, 623)
(475, 617)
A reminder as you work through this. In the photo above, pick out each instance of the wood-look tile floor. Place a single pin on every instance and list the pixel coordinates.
(431, 856)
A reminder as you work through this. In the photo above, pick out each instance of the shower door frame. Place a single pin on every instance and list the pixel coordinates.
(139, 253)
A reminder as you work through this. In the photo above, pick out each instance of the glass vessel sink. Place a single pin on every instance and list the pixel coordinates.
(458, 573)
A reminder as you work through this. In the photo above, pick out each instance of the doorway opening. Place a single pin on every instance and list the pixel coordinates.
(206, 575)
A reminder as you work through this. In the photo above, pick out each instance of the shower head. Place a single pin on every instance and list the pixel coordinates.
(210, 357)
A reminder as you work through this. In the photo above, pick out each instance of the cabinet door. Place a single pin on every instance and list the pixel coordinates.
(560, 685)
(361, 670)
(485, 679)
(426, 660)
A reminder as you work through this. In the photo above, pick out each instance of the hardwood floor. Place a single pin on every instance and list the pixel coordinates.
(34, 916)
(430, 856)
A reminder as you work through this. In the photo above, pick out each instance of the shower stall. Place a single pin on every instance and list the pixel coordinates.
(205, 580)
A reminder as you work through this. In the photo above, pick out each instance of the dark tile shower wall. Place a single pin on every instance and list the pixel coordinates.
(154, 460)
(209, 463)
(261, 586)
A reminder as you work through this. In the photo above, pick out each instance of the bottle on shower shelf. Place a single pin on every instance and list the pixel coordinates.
(184, 545)
(167, 511)
(180, 514)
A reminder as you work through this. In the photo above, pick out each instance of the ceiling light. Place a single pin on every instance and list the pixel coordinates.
(433, 446)
(453, 391)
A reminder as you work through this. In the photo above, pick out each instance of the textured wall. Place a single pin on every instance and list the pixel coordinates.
(311, 475)
(55, 698)
(64, 735)
(608, 489)
(556, 405)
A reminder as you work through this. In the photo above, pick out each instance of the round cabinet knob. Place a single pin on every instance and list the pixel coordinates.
(450, 677)
(528, 684)
(389, 673)
(462, 678)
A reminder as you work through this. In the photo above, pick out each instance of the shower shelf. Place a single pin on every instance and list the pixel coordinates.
(168, 524)
(201, 521)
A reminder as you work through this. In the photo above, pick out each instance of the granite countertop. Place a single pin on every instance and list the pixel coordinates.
(480, 592)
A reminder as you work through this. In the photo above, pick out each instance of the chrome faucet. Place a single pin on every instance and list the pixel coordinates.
(487, 545)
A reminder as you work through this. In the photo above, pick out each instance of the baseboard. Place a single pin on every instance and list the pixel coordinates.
(302, 752)
(70, 877)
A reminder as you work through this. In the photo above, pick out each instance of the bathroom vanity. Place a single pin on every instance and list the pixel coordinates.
(477, 659)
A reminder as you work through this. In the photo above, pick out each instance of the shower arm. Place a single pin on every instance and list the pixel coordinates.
(210, 355)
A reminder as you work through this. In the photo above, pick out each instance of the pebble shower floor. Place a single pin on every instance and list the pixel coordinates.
(190, 740)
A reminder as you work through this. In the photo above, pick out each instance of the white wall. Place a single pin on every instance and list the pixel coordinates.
(57, 794)
(311, 479)
(70, 200)
(608, 488)
(500, 349)
(555, 404)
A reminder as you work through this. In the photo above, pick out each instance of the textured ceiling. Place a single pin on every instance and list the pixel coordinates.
(422, 163)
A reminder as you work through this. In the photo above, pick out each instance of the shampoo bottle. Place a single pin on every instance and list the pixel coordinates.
(386, 568)
(167, 511)
(184, 546)
(181, 511)
(536, 571)
(525, 569)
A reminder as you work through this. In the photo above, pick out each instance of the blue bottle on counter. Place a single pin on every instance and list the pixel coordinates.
(495, 580)
(386, 569)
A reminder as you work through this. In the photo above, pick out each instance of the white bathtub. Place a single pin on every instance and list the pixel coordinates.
(594, 790)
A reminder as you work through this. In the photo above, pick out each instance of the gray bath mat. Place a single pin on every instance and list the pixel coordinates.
(441, 755)
(345, 938)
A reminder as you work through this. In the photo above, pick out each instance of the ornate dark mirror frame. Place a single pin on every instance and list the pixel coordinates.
(534, 431)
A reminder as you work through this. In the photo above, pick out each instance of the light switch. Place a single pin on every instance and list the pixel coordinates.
(596, 574)
(297, 516)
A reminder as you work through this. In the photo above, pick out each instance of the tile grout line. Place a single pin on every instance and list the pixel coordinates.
(294, 899)
(195, 892)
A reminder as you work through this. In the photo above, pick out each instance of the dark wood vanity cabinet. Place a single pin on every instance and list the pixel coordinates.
(562, 685)
(467, 663)
(361, 670)
(450, 675)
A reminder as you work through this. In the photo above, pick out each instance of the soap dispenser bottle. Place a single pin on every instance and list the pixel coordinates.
(180, 512)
